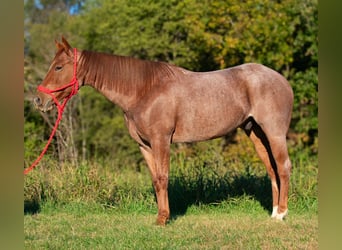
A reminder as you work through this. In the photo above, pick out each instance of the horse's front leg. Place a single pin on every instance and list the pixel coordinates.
(158, 160)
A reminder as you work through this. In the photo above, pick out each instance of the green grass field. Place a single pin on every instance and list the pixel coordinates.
(218, 200)
(238, 224)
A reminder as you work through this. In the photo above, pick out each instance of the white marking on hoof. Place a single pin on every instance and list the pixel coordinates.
(281, 215)
(274, 212)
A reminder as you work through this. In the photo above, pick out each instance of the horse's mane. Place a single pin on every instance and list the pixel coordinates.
(126, 75)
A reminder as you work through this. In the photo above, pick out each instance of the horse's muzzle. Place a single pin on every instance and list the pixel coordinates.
(39, 104)
(37, 101)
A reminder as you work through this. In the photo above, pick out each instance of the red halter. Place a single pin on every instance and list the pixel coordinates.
(73, 83)
(60, 107)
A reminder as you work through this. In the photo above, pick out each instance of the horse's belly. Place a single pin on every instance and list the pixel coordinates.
(193, 136)
(202, 125)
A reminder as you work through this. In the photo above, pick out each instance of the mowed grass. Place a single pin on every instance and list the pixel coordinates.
(238, 224)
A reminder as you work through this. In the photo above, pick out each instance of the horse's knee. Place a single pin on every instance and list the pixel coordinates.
(282, 160)
(160, 182)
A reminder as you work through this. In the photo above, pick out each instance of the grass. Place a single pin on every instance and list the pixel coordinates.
(219, 199)
(239, 224)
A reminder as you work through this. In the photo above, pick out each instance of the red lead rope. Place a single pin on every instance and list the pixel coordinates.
(60, 108)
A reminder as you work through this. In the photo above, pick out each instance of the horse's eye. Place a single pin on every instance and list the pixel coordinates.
(58, 68)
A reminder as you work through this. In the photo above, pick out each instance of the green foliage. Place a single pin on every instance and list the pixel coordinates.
(305, 88)
(33, 134)
(203, 35)
(30, 140)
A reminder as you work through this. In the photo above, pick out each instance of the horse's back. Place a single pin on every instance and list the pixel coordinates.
(219, 101)
(200, 106)
(258, 76)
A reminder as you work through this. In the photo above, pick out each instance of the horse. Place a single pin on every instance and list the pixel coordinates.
(163, 104)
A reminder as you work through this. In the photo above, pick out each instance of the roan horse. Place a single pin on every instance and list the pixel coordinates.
(165, 104)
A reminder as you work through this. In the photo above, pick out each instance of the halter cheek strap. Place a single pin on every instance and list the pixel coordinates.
(60, 107)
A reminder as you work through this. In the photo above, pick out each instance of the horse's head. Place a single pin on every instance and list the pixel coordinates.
(56, 85)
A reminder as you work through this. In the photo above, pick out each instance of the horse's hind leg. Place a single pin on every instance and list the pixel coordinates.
(281, 156)
(262, 148)
(273, 152)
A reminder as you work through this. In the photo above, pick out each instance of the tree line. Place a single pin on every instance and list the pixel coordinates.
(197, 35)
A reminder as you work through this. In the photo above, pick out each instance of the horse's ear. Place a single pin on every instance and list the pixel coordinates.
(66, 44)
(67, 47)
(59, 46)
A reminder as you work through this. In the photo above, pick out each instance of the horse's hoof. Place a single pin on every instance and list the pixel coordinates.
(278, 216)
(274, 212)
(281, 216)
(161, 220)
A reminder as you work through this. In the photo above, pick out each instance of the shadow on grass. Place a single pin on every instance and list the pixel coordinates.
(31, 207)
(182, 195)
(201, 185)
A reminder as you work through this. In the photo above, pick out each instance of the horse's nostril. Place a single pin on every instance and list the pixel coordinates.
(37, 100)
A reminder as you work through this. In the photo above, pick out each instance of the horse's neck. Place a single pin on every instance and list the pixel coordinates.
(110, 76)
(122, 80)
(125, 102)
